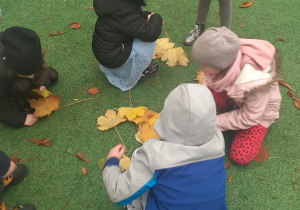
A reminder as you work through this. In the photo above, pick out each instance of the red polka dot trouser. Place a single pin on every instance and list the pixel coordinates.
(246, 142)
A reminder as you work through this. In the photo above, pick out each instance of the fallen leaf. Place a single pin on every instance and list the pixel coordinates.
(230, 178)
(44, 92)
(296, 100)
(84, 171)
(126, 101)
(280, 39)
(46, 142)
(148, 118)
(135, 102)
(241, 26)
(68, 150)
(227, 166)
(246, 4)
(80, 156)
(147, 132)
(137, 137)
(200, 77)
(80, 207)
(196, 11)
(162, 45)
(110, 120)
(93, 91)
(283, 83)
(90, 8)
(14, 158)
(101, 163)
(57, 33)
(44, 106)
(82, 91)
(74, 25)
(262, 154)
(125, 162)
(131, 113)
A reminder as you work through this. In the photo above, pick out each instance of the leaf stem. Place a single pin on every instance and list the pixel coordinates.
(120, 137)
(130, 98)
(287, 161)
(75, 103)
(129, 151)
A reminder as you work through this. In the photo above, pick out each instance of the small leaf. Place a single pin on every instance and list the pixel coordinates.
(283, 83)
(44, 92)
(200, 77)
(14, 158)
(74, 25)
(296, 100)
(93, 91)
(46, 142)
(135, 102)
(80, 156)
(246, 4)
(280, 39)
(227, 166)
(147, 132)
(84, 171)
(90, 8)
(262, 154)
(101, 163)
(230, 178)
(125, 162)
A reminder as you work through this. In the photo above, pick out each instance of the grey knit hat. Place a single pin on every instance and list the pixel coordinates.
(216, 48)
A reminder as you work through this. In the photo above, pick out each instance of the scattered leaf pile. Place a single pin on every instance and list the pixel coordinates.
(262, 154)
(46, 142)
(125, 162)
(246, 4)
(167, 51)
(200, 77)
(44, 106)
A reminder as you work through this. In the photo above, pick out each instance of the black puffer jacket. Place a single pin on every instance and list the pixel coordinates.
(119, 22)
(8, 115)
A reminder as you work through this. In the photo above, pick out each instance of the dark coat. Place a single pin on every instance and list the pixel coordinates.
(8, 115)
(119, 22)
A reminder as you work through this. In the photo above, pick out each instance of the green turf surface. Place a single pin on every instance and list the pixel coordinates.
(55, 177)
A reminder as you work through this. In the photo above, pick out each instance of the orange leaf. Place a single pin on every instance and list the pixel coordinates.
(200, 77)
(74, 25)
(147, 132)
(296, 100)
(46, 142)
(283, 83)
(84, 171)
(90, 8)
(44, 106)
(145, 118)
(230, 178)
(80, 156)
(14, 158)
(262, 154)
(135, 102)
(246, 4)
(93, 91)
(280, 39)
(227, 166)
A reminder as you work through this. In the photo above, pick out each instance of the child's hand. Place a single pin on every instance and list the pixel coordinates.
(42, 88)
(11, 169)
(116, 152)
(149, 16)
(30, 119)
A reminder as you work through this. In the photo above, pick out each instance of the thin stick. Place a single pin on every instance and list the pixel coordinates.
(130, 98)
(214, 21)
(28, 159)
(261, 180)
(169, 37)
(64, 206)
(272, 31)
(129, 151)
(286, 160)
(120, 138)
(73, 46)
(57, 128)
(238, 23)
(96, 100)
(75, 103)
(293, 182)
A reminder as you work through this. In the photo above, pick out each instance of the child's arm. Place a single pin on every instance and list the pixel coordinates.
(247, 116)
(125, 187)
(145, 14)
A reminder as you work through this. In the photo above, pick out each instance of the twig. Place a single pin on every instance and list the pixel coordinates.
(214, 21)
(261, 180)
(72, 119)
(28, 159)
(64, 206)
(169, 37)
(57, 128)
(295, 201)
(120, 138)
(177, 17)
(273, 31)
(293, 182)
(216, 14)
(286, 160)
(73, 46)
(75, 103)
(129, 151)
(238, 23)
(96, 100)
(264, 19)
(130, 98)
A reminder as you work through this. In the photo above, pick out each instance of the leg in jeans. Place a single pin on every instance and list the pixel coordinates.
(203, 9)
(246, 144)
(225, 10)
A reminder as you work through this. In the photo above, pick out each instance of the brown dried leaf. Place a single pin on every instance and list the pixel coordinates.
(74, 25)
(280, 39)
(84, 171)
(80, 156)
(45, 106)
(14, 158)
(90, 8)
(290, 94)
(296, 100)
(57, 33)
(283, 83)
(93, 91)
(230, 178)
(246, 4)
(200, 77)
(262, 154)
(227, 166)
(135, 102)
(46, 142)
(241, 26)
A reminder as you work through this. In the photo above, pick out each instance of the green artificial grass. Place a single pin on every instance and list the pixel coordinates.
(55, 177)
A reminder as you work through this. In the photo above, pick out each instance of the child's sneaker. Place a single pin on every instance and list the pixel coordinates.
(16, 177)
(150, 71)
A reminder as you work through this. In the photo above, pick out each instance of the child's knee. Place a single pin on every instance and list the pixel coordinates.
(239, 160)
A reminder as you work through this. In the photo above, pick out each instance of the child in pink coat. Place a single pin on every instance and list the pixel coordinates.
(243, 78)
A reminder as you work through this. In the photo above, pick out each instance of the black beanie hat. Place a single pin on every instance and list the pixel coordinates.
(22, 50)
(4, 164)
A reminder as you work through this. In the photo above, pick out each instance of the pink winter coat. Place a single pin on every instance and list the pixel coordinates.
(252, 82)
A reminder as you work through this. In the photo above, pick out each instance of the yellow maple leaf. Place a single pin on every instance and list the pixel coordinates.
(44, 106)
(137, 137)
(147, 132)
(162, 45)
(200, 77)
(174, 56)
(153, 119)
(110, 120)
(132, 113)
(123, 111)
(144, 118)
(124, 162)
(182, 58)
(44, 92)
